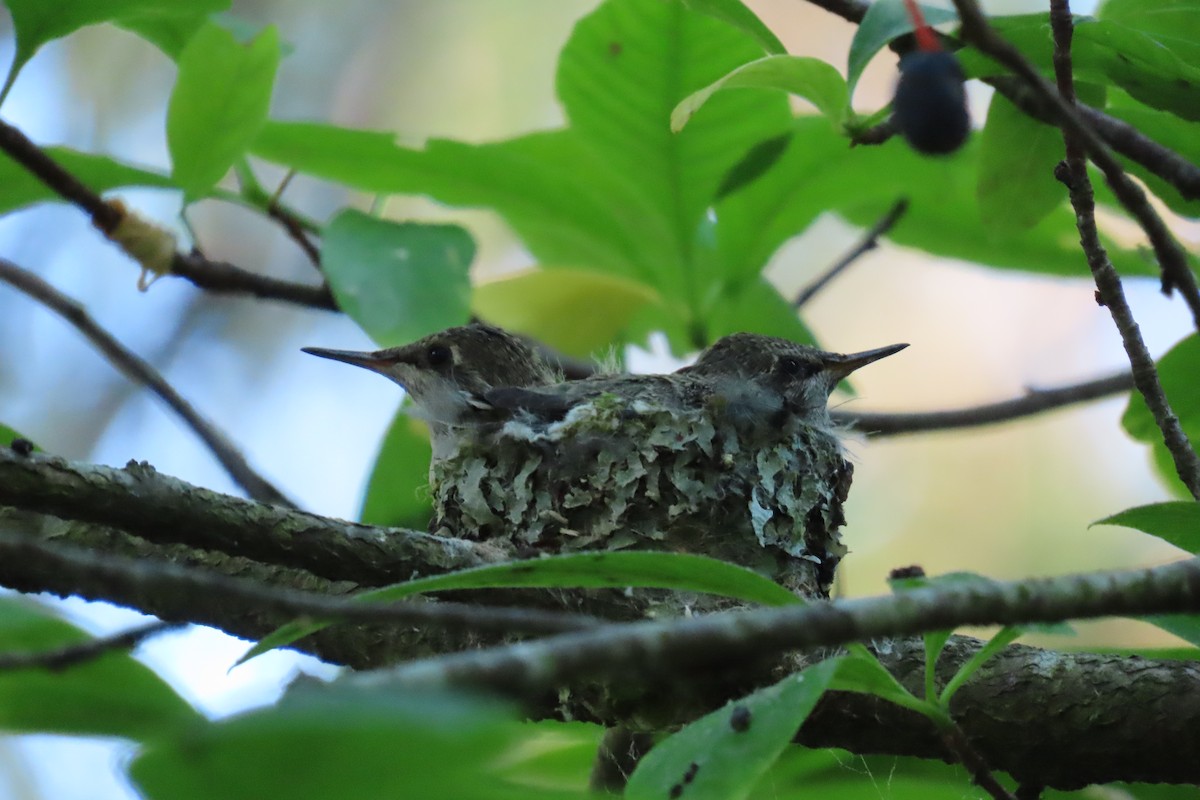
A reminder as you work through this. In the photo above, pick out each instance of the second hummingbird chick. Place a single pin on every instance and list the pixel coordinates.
(447, 373)
(761, 376)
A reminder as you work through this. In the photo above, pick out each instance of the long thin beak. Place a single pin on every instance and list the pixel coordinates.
(840, 366)
(378, 361)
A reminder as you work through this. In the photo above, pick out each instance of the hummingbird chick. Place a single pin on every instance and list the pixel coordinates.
(762, 376)
(447, 373)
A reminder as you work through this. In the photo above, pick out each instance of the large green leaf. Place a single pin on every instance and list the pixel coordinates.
(884, 21)
(113, 695)
(558, 197)
(349, 743)
(678, 571)
(398, 489)
(398, 280)
(1017, 155)
(810, 78)
(723, 754)
(1177, 371)
(218, 105)
(621, 73)
(1177, 523)
(19, 188)
(576, 311)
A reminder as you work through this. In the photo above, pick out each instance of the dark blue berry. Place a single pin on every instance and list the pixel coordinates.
(930, 107)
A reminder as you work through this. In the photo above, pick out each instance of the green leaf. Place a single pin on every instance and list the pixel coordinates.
(1185, 626)
(37, 22)
(623, 70)
(739, 16)
(113, 695)
(8, 436)
(1176, 523)
(1017, 155)
(350, 743)
(577, 311)
(861, 672)
(1174, 24)
(169, 26)
(1177, 372)
(19, 188)
(218, 105)
(884, 21)
(723, 754)
(1003, 638)
(398, 280)
(755, 308)
(810, 78)
(398, 489)
(678, 571)
(588, 219)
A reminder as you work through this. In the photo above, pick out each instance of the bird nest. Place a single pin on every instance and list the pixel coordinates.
(618, 474)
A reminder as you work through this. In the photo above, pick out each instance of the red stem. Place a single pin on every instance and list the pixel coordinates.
(927, 40)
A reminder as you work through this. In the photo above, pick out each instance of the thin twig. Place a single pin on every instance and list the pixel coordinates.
(215, 276)
(143, 576)
(291, 224)
(877, 134)
(73, 655)
(139, 371)
(1176, 274)
(868, 242)
(1073, 172)
(970, 758)
(1034, 402)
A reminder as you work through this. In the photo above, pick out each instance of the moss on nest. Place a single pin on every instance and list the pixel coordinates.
(636, 474)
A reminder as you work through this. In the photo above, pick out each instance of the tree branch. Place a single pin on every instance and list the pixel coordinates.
(868, 242)
(1033, 713)
(674, 647)
(139, 371)
(140, 577)
(166, 510)
(214, 276)
(1073, 172)
(1035, 401)
(65, 657)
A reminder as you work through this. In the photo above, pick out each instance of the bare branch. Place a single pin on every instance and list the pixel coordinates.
(73, 655)
(868, 242)
(141, 372)
(1034, 402)
(1073, 172)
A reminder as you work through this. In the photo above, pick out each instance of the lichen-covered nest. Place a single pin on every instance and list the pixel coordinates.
(618, 474)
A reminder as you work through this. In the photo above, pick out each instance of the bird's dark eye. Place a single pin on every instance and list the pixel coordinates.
(438, 355)
(795, 368)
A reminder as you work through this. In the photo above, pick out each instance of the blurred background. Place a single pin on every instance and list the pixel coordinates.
(1007, 501)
